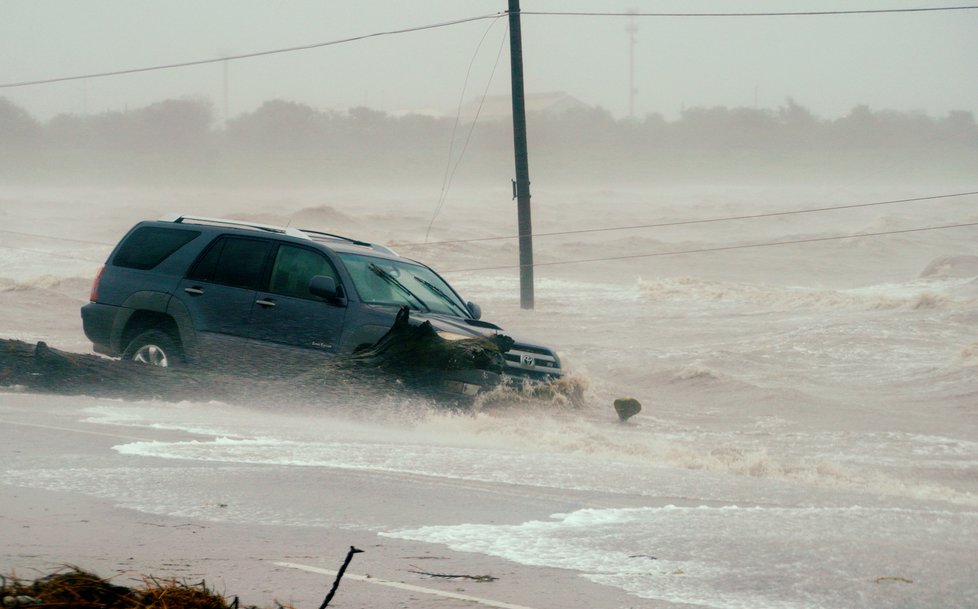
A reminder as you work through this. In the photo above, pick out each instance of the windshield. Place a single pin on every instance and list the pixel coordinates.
(399, 282)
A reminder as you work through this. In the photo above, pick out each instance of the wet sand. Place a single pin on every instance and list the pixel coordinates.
(44, 530)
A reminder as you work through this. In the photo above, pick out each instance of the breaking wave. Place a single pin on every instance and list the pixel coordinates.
(911, 296)
(952, 266)
(42, 282)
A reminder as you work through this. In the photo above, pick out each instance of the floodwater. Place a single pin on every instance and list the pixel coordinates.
(809, 436)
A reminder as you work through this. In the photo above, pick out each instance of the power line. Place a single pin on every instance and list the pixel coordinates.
(760, 14)
(200, 62)
(723, 248)
(449, 168)
(597, 230)
(700, 221)
(52, 254)
(53, 238)
(496, 15)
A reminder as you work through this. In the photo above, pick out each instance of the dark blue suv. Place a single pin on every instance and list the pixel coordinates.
(213, 291)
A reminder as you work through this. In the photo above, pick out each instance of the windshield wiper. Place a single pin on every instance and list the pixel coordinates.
(397, 284)
(441, 294)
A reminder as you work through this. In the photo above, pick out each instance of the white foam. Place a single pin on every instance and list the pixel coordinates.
(731, 556)
(570, 453)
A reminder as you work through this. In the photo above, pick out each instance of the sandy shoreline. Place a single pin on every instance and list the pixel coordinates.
(46, 528)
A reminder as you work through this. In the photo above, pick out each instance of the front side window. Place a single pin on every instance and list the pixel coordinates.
(233, 262)
(399, 282)
(294, 267)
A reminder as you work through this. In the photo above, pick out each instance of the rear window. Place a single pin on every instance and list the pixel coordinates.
(148, 246)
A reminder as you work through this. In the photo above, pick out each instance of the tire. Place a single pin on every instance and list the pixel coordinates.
(154, 348)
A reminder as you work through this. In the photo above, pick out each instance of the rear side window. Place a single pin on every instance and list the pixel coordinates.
(148, 246)
(233, 262)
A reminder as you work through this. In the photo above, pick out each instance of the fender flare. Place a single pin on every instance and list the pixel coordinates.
(137, 301)
(163, 304)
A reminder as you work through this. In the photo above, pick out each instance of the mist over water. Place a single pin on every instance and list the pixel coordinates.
(809, 436)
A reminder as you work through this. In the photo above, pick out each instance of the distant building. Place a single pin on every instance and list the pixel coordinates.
(500, 107)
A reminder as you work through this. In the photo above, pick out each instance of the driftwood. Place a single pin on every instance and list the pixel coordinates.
(41, 368)
(475, 578)
(408, 359)
(339, 576)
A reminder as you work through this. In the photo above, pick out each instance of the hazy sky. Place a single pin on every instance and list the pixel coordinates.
(909, 61)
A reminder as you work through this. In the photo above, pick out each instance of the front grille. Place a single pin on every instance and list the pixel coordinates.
(534, 362)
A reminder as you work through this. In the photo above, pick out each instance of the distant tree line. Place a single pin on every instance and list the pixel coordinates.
(283, 141)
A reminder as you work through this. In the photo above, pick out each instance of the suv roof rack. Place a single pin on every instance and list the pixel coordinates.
(283, 230)
(374, 246)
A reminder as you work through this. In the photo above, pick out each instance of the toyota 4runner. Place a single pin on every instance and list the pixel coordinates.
(214, 291)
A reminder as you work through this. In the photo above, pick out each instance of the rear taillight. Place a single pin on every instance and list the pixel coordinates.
(98, 276)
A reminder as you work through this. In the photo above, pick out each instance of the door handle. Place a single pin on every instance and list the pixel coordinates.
(194, 290)
(265, 302)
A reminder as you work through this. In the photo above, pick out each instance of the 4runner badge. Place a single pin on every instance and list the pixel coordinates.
(528, 361)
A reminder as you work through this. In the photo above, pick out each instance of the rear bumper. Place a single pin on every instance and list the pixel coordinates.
(97, 322)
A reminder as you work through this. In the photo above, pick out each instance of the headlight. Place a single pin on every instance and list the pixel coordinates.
(452, 335)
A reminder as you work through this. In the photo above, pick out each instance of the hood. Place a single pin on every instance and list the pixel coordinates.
(471, 327)
(467, 327)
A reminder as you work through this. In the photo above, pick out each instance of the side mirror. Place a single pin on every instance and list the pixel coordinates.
(475, 310)
(324, 287)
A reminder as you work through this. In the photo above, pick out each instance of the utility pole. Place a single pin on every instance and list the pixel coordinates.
(631, 29)
(521, 186)
(226, 83)
(225, 62)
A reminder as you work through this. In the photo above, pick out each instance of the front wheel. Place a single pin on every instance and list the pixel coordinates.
(154, 348)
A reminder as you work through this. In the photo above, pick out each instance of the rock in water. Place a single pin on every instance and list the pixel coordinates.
(627, 408)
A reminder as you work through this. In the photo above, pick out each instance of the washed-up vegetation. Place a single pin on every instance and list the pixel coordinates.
(75, 588)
